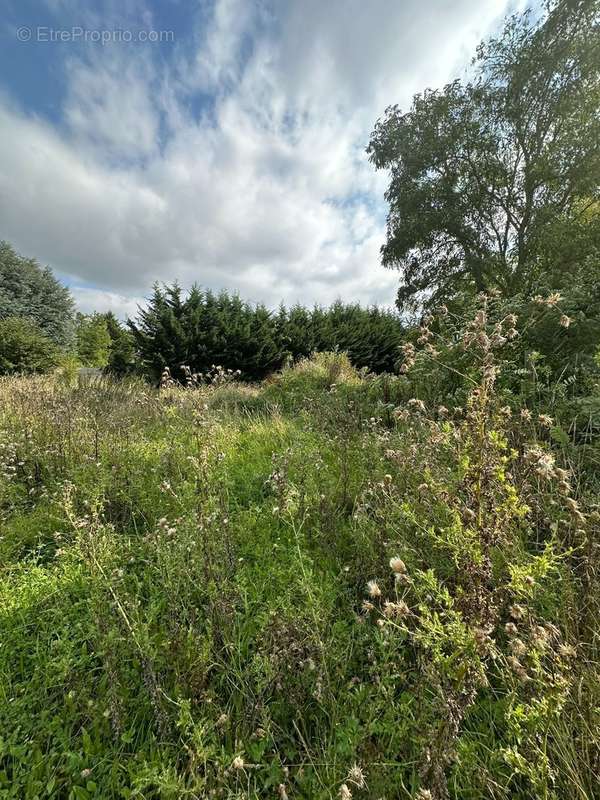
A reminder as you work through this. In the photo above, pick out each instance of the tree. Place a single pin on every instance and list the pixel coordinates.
(204, 330)
(479, 169)
(93, 340)
(30, 291)
(121, 353)
(24, 347)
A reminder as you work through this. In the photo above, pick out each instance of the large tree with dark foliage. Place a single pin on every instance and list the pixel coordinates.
(203, 329)
(480, 169)
(32, 292)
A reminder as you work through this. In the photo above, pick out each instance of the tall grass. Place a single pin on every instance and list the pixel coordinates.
(315, 587)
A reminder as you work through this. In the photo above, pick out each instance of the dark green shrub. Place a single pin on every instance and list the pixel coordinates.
(24, 348)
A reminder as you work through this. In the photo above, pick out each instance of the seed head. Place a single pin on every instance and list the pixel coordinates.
(356, 776)
(373, 589)
(565, 321)
(397, 565)
(518, 647)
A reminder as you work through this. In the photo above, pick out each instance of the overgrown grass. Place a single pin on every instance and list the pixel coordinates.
(186, 608)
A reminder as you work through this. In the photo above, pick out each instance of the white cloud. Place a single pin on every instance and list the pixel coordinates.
(89, 300)
(267, 191)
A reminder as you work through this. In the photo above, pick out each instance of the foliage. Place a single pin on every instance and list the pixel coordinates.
(203, 330)
(121, 353)
(28, 290)
(93, 339)
(24, 348)
(479, 170)
(322, 585)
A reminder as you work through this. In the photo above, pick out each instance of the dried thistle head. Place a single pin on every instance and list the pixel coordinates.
(397, 565)
(356, 776)
(373, 589)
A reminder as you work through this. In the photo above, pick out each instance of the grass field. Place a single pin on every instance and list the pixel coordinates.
(315, 587)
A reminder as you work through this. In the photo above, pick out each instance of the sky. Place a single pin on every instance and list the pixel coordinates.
(220, 142)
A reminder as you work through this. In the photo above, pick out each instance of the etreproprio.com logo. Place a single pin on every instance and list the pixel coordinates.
(78, 34)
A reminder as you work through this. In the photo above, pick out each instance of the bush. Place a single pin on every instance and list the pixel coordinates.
(24, 348)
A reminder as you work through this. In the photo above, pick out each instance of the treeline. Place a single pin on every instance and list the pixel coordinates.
(40, 330)
(202, 329)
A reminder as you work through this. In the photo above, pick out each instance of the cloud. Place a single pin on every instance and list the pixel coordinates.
(89, 300)
(238, 162)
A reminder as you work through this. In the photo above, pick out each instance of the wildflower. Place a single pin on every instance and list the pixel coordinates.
(518, 647)
(545, 465)
(356, 776)
(238, 763)
(345, 793)
(85, 773)
(373, 589)
(511, 629)
(567, 651)
(565, 321)
(515, 665)
(397, 565)
(417, 404)
(482, 641)
(399, 609)
(480, 319)
(553, 299)
(483, 340)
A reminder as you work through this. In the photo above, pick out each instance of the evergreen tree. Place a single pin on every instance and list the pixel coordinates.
(31, 291)
(204, 330)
